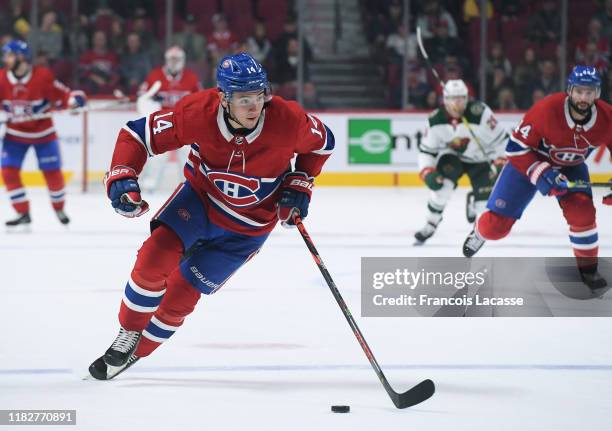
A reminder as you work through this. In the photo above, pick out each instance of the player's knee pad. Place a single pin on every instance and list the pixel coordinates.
(439, 198)
(11, 177)
(180, 299)
(450, 167)
(158, 257)
(578, 209)
(54, 179)
(493, 226)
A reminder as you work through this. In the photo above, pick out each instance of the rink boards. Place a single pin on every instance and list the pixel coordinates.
(372, 148)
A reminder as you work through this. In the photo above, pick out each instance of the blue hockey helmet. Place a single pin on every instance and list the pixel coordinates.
(16, 47)
(241, 73)
(586, 76)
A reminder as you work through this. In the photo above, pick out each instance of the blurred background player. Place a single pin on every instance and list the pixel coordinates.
(463, 137)
(176, 81)
(25, 90)
(547, 149)
(240, 183)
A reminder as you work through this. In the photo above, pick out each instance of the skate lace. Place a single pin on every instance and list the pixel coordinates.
(125, 340)
(473, 241)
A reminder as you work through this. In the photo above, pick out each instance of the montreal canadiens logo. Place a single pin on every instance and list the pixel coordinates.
(238, 190)
(568, 156)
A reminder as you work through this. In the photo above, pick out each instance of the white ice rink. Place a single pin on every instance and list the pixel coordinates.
(272, 351)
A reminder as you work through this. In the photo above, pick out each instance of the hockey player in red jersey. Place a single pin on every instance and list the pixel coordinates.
(176, 80)
(547, 153)
(240, 182)
(27, 90)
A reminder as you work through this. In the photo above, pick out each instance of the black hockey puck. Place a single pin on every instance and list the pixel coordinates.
(341, 409)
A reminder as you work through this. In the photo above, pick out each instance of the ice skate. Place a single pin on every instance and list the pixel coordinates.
(122, 348)
(62, 217)
(472, 244)
(424, 234)
(20, 224)
(593, 279)
(100, 370)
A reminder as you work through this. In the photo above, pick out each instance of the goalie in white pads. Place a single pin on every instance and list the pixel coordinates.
(463, 137)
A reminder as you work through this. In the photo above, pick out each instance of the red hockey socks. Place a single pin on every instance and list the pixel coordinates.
(179, 301)
(579, 212)
(55, 184)
(15, 189)
(157, 258)
(493, 226)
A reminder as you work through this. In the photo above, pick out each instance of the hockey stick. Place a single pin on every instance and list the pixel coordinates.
(412, 396)
(49, 114)
(585, 184)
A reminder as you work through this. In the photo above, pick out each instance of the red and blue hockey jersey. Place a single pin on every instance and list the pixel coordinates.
(35, 93)
(548, 133)
(236, 177)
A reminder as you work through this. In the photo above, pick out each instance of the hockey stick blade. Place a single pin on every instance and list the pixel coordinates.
(418, 393)
(414, 395)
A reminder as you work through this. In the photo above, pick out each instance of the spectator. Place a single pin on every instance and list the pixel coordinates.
(605, 17)
(193, 43)
(394, 18)
(498, 82)
(49, 38)
(286, 72)
(548, 80)
(147, 38)
(498, 60)
(432, 101)
(443, 44)
(78, 37)
(471, 10)
(280, 45)
(505, 99)
(525, 75)
(98, 67)
(45, 6)
(418, 89)
(135, 64)
(396, 45)
(221, 41)
(259, 46)
(509, 9)
(544, 27)
(433, 15)
(20, 23)
(593, 57)
(594, 35)
(117, 35)
(537, 95)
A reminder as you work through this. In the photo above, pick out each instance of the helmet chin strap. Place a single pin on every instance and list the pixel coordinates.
(231, 116)
(17, 66)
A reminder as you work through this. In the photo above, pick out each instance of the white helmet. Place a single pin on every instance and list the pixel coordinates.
(454, 89)
(175, 59)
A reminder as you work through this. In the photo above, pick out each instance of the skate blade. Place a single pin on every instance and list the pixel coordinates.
(19, 229)
(418, 243)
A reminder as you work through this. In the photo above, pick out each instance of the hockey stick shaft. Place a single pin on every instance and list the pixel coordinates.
(44, 115)
(425, 388)
(585, 184)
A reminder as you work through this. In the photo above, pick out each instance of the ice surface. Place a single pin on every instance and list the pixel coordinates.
(271, 350)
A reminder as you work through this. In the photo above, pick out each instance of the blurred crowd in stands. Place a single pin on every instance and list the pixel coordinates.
(523, 39)
(113, 44)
